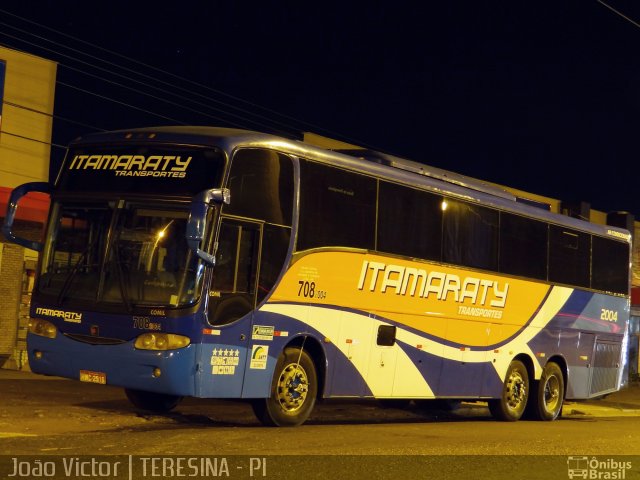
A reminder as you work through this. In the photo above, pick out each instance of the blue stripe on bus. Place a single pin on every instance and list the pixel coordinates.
(583, 311)
(455, 378)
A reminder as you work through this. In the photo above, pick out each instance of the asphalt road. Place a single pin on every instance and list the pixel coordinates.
(41, 416)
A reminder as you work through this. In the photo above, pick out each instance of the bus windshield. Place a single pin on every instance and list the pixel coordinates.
(116, 252)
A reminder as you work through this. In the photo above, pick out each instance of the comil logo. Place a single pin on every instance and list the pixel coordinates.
(596, 468)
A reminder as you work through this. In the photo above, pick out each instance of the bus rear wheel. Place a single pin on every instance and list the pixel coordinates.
(293, 391)
(152, 401)
(515, 393)
(548, 394)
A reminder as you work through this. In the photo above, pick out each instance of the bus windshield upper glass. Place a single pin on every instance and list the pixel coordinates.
(115, 253)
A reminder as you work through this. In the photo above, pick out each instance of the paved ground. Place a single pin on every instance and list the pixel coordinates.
(625, 402)
(61, 419)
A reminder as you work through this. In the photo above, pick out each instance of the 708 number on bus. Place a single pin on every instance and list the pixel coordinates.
(308, 290)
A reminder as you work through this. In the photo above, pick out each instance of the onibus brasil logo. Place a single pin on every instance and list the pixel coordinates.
(595, 468)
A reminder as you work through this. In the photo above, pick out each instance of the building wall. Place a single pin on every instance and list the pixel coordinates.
(25, 131)
(10, 292)
(635, 280)
(27, 94)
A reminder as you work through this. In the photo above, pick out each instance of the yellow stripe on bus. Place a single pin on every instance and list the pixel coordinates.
(441, 301)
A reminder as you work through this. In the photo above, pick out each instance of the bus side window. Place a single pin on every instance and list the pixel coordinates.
(470, 235)
(233, 289)
(523, 246)
(261, 184)
(409, 222)
(337, 208)
(569, 256)
(275, 243)
(610, 260)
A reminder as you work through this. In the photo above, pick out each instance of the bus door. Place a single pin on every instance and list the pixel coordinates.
(382, 360)
(232, 300)
(351, 365)
(581, 345)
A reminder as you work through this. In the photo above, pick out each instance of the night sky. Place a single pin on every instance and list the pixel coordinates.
(542, 96)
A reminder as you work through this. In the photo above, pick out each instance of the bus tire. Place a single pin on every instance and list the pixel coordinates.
(515, 393)
(548, 394)
(294, 388)
(152, 401)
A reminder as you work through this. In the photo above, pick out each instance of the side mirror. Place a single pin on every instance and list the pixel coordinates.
(197, 224)
(12, 207)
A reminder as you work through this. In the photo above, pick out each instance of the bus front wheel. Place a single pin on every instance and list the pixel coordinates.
(293, 391)
(152, 401)
(515, 393)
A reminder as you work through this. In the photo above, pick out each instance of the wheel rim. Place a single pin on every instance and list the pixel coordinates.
(516, 390)
(293, 386)
(551, 397)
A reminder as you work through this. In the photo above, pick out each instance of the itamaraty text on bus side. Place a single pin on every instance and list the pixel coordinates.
(405, 281)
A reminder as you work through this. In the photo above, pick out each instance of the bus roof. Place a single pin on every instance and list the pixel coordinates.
(366, 161)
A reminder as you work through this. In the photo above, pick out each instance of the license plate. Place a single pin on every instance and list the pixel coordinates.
(93, 377)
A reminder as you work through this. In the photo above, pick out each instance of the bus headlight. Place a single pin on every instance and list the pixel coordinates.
(161, 341)
(42, 328)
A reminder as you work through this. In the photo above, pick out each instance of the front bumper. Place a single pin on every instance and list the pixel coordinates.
(122, 364)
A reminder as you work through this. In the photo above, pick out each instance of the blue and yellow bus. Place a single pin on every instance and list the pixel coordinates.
(221, 263)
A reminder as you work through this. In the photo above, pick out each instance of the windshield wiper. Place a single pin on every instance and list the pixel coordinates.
(124, 291)
(74, 270)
